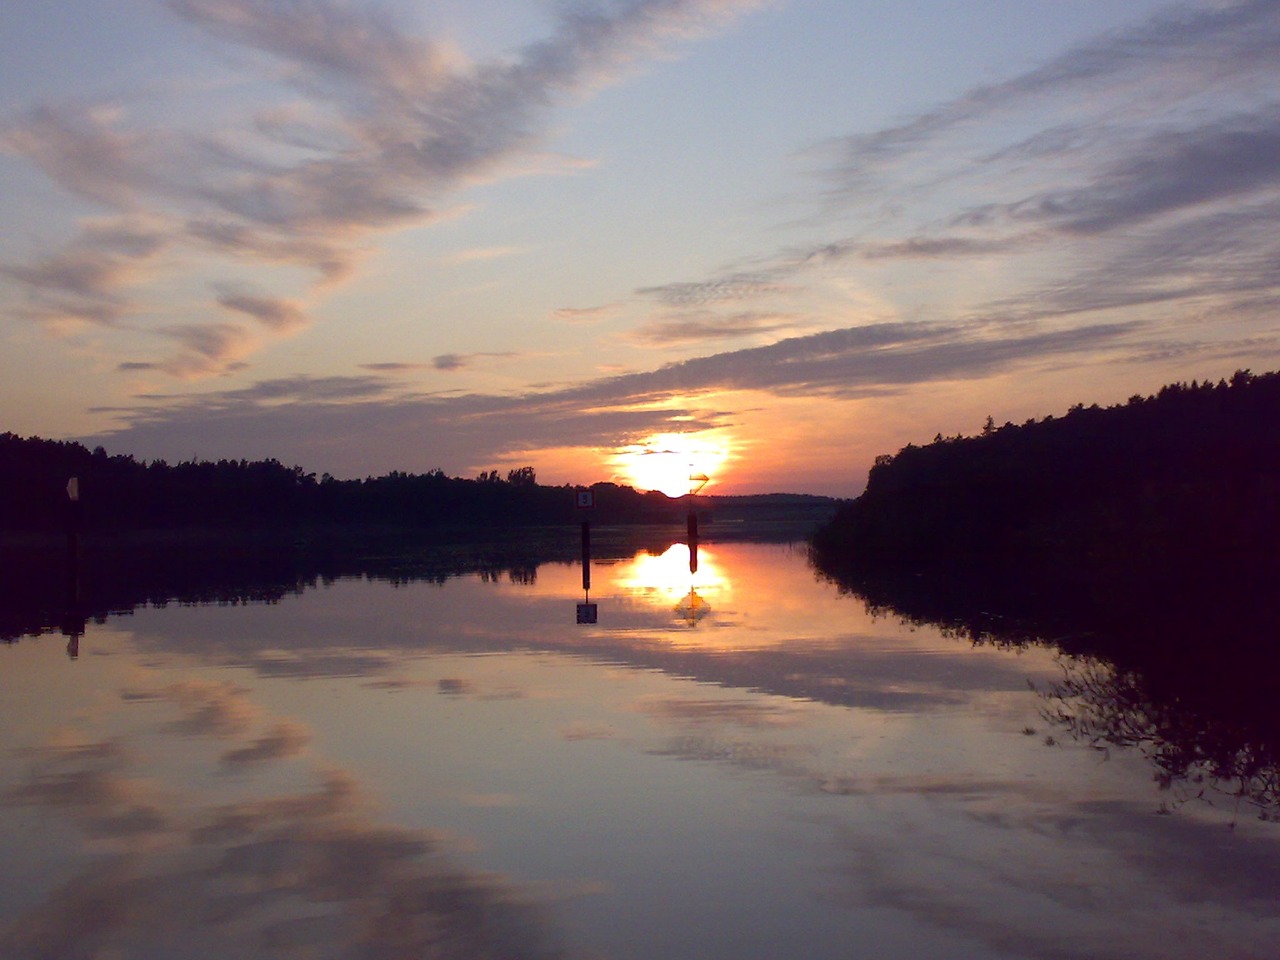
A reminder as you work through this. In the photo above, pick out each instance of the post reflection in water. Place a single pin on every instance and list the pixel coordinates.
(588, 612)
(736, 761)
(677, 580)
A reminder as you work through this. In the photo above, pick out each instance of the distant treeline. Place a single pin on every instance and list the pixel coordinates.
(1163, 496)
(118, 492)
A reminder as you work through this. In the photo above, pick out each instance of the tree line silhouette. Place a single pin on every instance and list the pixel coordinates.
(1144, 536)
(1178, 491)
(119, 492)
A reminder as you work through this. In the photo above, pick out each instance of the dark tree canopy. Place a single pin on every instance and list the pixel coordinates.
(122, 493)
(1144, 537)
(1181, 489)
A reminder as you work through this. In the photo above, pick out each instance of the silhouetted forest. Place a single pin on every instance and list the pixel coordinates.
(1177, 492)
(1143, 540)
(119, 492)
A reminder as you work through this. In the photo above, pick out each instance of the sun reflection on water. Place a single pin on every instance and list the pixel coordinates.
(666, 580)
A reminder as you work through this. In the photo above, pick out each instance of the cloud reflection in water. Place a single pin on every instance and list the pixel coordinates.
(276, 875)
(789, 777)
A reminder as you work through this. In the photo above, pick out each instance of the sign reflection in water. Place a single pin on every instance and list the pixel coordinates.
(673, 580)
(374, 769)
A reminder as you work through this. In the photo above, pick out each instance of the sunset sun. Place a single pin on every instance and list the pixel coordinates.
(666, 461)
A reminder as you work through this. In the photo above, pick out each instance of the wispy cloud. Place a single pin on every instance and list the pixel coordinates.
(1162, 174)
(313, 421)
(207, 348)
(449, 362)
(395, 367)
(274, 313)
(585, 315)
(393, 122)
(1137, 169)
(89, 280)
(1175, 56)
(1094, 208)
(480, 254)
(690, 328)
(729, 288)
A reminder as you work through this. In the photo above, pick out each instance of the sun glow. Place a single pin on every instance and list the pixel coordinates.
(667, 461)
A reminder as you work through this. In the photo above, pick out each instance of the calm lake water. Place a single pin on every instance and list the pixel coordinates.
(737, 763)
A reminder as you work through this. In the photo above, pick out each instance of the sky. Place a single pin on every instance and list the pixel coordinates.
(628, 240)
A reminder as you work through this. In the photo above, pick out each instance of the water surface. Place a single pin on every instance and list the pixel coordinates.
(737, 763)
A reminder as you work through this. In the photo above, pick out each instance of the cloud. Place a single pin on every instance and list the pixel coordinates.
(395, 367)
(282, 316)
(207, 348)
(481, 254)
(853, 360)
(725, 289)
(1135, 172)
(88, 279)
(332, 258)
(1178, 53)
(390, 123)
(1217, 261)
(698, 327)
(417, 118)
(295, 390)
(585, 315)
(1138, 170)
(78, 149)
(1167, 172)
(307, 420)
(932, 248)
(448, 362)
